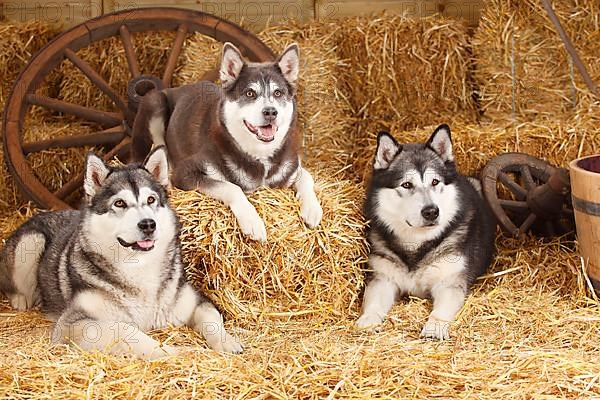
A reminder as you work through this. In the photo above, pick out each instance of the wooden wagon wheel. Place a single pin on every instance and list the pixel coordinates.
(526, 193)
(113, 135)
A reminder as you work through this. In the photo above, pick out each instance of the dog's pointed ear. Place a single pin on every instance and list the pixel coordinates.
(231, 65)
(96, 172)
(157, 164)
(387, 149)
(289, 63)
(441, 142)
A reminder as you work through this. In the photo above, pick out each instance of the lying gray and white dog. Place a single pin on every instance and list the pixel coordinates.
(112, 270)
(431, 234)
(230, 140)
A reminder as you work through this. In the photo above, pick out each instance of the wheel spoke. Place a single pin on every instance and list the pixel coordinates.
(77, 181)
(129, 51)
(110, 136)
(97, 80)
(102, 117)
(527, 223)
(527, 178)
(514, 205)
(513, 186)
(174, 54)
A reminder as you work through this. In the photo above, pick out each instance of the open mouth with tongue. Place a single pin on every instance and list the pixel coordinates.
(266, 133)
(140, 245)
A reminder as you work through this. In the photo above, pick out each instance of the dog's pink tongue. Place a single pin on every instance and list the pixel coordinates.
(267, 132)
(145, 244)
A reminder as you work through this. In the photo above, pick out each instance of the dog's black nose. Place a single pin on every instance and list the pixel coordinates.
(147, 226)
(430, 213)
(270, 113)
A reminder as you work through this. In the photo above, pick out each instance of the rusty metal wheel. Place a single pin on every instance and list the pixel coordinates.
(528, 194)
(112, 134)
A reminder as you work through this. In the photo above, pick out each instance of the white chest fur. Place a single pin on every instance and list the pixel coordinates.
(145, 297)
(441, 271)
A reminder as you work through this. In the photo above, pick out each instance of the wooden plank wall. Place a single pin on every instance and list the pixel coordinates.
(336, 9)
(67, 13)
(255, 15)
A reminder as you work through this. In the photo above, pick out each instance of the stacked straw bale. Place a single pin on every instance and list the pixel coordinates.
(297, 272)
(410, 71)
(18, 42)
(200, 54)
(523, 70)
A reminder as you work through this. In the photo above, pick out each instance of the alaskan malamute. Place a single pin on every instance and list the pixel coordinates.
(224, 141)
(113, 270)
(430, 235)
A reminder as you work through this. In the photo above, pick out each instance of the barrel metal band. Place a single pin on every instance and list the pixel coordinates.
(586, 206)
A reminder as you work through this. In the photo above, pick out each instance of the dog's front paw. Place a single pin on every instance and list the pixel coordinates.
(436, 329)
(254, 227)
(311, 211)
(370, 322)
(250, 222)
(19, 302)
(228, 344)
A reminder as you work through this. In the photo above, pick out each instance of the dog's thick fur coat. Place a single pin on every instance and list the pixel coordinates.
(431, 234)
(225, 141)
(113, 270)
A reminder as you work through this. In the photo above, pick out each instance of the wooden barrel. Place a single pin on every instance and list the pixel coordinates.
(585, 192)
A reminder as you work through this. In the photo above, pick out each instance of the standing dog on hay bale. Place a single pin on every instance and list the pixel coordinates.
(113, 270)
(431, 234)
(235, 139)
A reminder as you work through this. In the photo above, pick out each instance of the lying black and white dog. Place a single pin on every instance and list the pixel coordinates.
(431, 234)
(112, 270)
(230, 140)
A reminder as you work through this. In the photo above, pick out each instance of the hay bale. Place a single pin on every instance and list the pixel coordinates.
(18, 42)
(410, 71)
(200, 54)
(9, 195)
(522, 68)
(297, 273)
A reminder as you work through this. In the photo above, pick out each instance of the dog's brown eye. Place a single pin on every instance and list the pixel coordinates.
(277, 93)
(434, 182)
(151, 200)
(120, 204)
(250, 93)
(407, 185)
